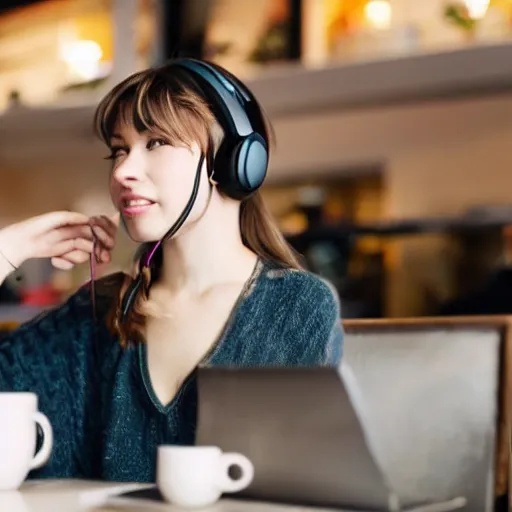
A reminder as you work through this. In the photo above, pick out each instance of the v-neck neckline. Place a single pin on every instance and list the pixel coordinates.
(212, 352)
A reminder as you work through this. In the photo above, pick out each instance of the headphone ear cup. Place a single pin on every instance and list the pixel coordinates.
(241, 169)
(250, 163)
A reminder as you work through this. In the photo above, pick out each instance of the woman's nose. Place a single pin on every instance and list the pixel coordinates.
(129, 170)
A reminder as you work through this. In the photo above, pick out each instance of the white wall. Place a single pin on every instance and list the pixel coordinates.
(334, 140)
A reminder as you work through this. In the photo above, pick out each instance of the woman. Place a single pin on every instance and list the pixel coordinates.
(214, 284)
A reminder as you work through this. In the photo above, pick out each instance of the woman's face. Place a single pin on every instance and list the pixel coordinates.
(151, 182)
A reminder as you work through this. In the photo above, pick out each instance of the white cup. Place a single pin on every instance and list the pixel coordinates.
(18, 438)
(196, 476)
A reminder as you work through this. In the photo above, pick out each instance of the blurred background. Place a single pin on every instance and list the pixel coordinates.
(393, 169)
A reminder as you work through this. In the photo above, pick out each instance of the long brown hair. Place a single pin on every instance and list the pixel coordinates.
(166, 101)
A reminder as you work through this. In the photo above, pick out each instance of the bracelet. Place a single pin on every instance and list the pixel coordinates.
(8, 260)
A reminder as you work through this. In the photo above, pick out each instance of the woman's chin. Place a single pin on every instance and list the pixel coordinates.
(143, 237)
(147, 232)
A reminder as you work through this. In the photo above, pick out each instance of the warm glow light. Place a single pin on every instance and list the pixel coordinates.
(83, 58)
(477, 8)
(378, 13)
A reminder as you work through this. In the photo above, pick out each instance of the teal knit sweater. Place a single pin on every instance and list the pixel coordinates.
(106, 418)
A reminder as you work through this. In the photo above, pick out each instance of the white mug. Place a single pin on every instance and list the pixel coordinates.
(196, 476)
(18, 438)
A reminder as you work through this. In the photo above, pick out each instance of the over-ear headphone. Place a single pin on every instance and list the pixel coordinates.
(241, 162)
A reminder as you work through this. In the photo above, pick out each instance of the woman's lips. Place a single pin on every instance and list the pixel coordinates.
(132, 207)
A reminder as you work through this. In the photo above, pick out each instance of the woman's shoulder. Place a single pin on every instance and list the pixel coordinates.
(299, 287)
(297, 313)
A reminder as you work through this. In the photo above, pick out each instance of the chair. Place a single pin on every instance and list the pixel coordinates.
(435, 399)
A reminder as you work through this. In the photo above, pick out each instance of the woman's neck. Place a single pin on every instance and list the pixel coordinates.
(208, 253)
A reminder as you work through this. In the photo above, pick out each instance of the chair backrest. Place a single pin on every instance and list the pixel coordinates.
(436, 395)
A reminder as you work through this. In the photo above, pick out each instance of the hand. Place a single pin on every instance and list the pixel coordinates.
(103, 230)
(66, 237)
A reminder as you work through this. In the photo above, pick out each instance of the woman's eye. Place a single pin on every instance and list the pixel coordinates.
(116, 152)
(155, 143)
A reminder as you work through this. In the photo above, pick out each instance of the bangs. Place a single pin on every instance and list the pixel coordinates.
(162, 105)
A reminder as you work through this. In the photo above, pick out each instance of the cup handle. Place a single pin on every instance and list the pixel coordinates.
(227, 484)
(42, 456)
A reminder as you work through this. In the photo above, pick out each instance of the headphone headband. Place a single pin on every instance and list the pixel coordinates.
(226, 96)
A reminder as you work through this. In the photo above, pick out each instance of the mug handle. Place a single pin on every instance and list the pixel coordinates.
(42, 456)
(228, 484)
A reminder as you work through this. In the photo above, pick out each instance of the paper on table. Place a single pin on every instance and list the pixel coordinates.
(84, 493)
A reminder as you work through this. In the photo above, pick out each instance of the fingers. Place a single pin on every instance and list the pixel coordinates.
(76, 257)
(64, 247)
(63, 239)
(66, 233)
(68, 260)
(68, 252)
(68, 237)
(53, 220)
(105, 231)
(62, 264)
(102, 255)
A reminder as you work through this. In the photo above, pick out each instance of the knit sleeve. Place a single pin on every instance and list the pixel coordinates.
(52, 351)
(49, 356)
(36, 356)
(324, 326)
(316, 322)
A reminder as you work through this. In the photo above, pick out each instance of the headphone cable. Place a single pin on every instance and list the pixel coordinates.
(135, 285)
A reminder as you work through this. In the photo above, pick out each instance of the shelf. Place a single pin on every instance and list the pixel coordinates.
(303, 101)
(293, 88)
(475, 70)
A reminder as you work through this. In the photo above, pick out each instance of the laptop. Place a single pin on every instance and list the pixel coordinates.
(302, 430)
